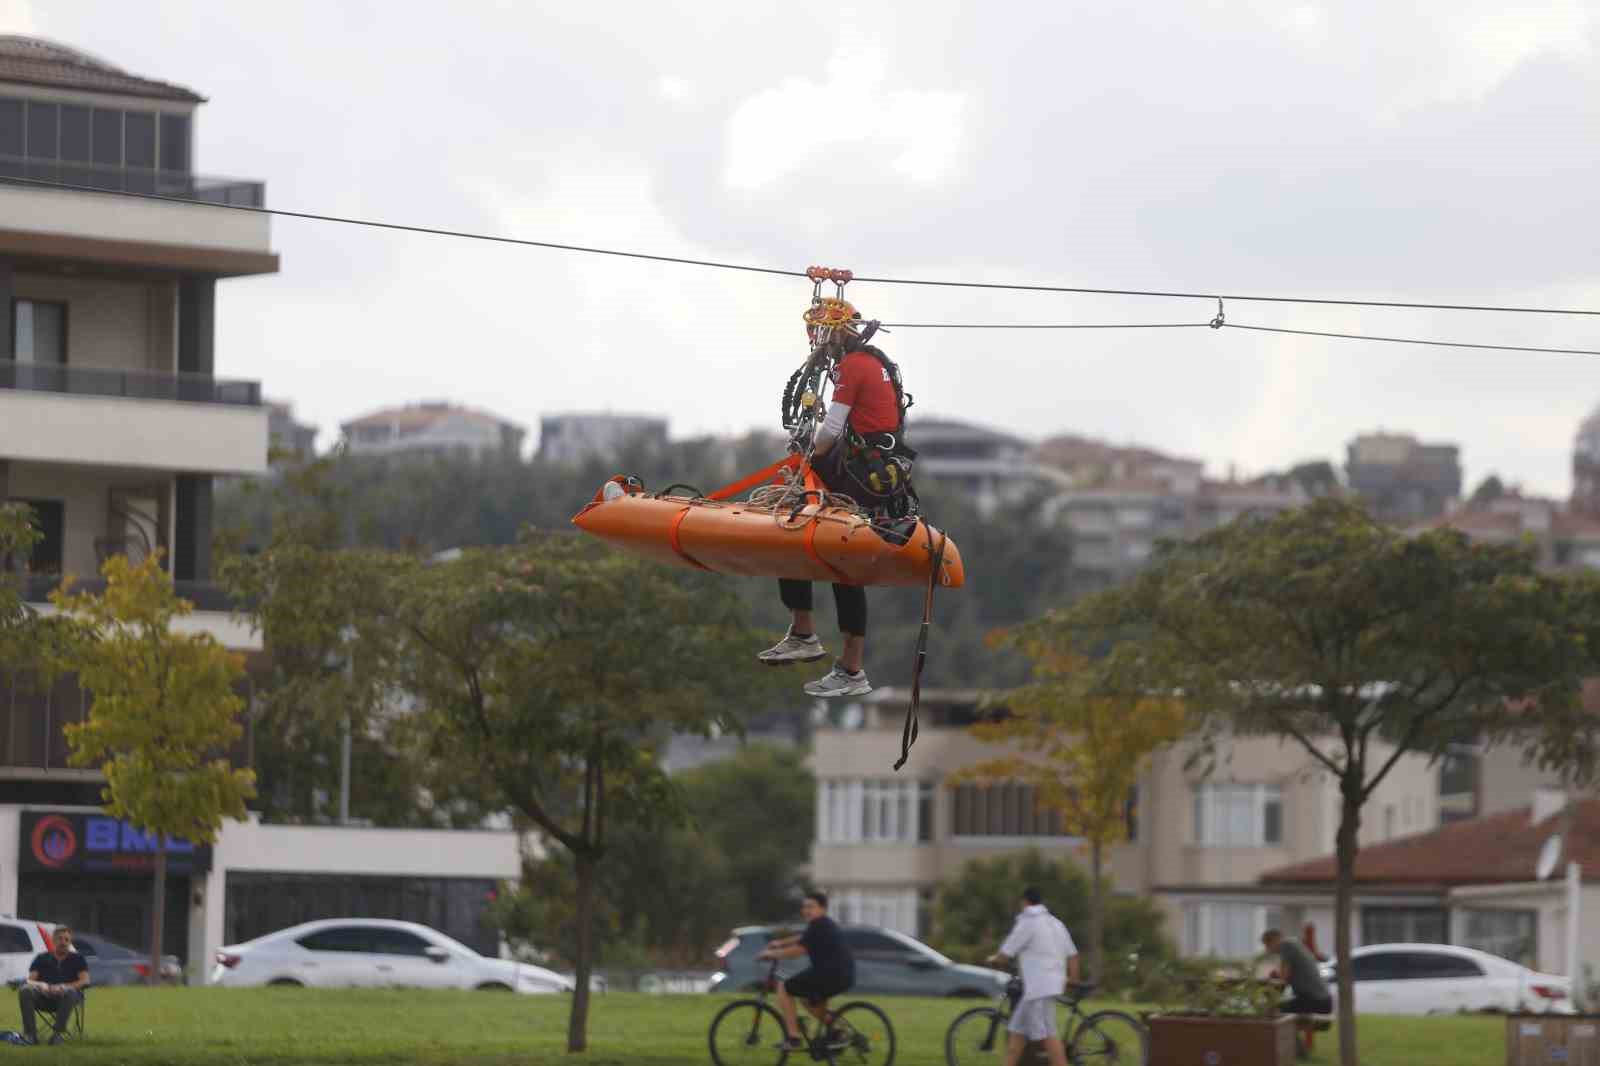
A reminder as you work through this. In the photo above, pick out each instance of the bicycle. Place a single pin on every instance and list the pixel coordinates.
(751, 1031)
(1104, 1038)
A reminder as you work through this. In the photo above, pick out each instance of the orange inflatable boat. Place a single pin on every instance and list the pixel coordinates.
(788, 528)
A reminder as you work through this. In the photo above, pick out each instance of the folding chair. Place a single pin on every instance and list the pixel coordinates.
(74, 1027)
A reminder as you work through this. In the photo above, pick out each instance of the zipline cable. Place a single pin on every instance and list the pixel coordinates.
(748, 268)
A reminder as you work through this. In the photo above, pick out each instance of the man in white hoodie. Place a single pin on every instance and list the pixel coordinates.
(1045, 953)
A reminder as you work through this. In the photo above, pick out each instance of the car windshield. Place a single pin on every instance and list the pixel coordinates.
(920, 947)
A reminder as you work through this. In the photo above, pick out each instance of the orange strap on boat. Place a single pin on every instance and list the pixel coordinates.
(766, 473)
(677, 546)
(811, 550)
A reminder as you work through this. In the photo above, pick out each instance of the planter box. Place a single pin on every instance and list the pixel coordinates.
(1179, 1041)
(1542, 1039)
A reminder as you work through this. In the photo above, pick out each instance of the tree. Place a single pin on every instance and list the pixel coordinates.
(974, 910)
(1489, 489)
(1360, 644)
(545, 672)
(1082, 753)
(164, 712)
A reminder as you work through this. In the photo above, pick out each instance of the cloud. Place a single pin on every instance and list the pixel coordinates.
(783, 128)
(16, 16)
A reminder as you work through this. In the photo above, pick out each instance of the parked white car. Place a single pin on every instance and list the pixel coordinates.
(21, 941)
(1444, 979)
(373, 953)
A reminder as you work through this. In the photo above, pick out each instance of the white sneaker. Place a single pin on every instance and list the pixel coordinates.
(839, 682)
(793, 649)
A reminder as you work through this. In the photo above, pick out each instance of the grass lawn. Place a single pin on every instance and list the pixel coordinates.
(218, 1027)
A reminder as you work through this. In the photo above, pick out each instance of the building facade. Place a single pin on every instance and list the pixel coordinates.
(1197, 844)
(114, 426)
(432, 428)
(989, 467)
(1402, 480)
(570, 439)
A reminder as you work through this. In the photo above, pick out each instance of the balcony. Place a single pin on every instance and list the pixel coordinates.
(65, 217)
(129, 384)
(96, 416)
(179, 185)
(213, 607)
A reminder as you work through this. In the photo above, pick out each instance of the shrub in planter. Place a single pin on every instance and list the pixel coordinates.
(1218, 1016)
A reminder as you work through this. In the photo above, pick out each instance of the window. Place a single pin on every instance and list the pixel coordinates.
(1379, 966)
(139, 140)
(1510, 934)
(338, 938)
(873, 810)
(1238, 816)
(38, 332)
(106, 127)
(397, 942)
(41, 130)
(15, 940)
(74, 133)
(1432, 965)
(11, 128)
(175, 142)
(894, 909)
(49, 520)
(1225, 930)
(1008, 810)
(869, 945)
(1130, 814)
(1403, 925)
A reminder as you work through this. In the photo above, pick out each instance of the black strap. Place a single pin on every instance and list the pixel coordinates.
(908, 736)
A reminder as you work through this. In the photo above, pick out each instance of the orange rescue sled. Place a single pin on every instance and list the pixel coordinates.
(807, 538)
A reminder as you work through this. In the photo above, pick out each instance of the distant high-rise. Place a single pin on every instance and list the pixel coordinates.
(436, 428)
(1402, 480)
(574, 438)
(1586, 466)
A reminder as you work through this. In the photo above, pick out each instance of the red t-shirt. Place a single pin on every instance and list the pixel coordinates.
(862, 382)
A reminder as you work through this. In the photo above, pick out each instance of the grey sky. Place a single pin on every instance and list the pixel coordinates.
(1431, 151)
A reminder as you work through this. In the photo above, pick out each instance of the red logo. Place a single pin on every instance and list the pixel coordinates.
(55, 842)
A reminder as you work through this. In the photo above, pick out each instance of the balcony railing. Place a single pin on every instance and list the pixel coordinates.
(36, 588)
(177, 184)
(133, 384)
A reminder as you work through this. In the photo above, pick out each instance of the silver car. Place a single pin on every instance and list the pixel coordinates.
(112, 964)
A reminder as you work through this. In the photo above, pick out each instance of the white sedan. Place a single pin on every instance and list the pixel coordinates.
(373, 953)
(1444, 979)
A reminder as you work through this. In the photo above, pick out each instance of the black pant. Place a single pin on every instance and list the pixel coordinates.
(1303, 1005)
(851, 601)
(63, 1005)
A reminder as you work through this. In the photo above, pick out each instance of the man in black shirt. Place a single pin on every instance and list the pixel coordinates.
(832, 970)
(56, 980)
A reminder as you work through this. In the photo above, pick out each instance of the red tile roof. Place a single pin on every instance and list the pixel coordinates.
(32, 61)
(1496, 849)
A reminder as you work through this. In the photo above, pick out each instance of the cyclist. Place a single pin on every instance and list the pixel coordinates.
(1047, 957)
(831, 973)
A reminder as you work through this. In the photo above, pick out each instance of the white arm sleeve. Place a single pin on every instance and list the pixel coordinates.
(832, 427)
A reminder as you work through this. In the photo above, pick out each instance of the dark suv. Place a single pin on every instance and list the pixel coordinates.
(887, 964)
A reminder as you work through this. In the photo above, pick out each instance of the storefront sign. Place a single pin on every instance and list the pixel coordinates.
(98, 844)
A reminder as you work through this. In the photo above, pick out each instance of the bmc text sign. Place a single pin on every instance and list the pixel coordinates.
(97, 844)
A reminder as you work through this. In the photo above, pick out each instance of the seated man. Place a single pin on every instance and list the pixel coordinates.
(56, 980)
(1309, 992)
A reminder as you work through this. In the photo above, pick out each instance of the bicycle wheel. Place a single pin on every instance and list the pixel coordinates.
(865, 1037)
(976, 1035)
(1109, 1038)
(746, 1032)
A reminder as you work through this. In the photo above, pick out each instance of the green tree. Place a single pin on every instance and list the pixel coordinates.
(1489, 489)
(974, 910)
(164, 712)
(1361, 645)
(758, 809)
(1082, 753)
(546, 671)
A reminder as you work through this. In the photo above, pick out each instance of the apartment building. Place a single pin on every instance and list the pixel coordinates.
(114, 426)
(1116, 523)
(990, 467)
(432, 428)
(1198, 844)
(579, 437)
(1402, 480)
